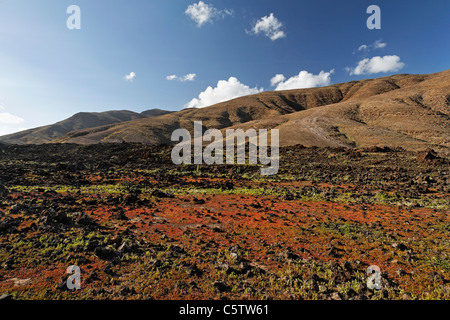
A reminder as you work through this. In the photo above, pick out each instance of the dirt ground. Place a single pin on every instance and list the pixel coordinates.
(140, 227)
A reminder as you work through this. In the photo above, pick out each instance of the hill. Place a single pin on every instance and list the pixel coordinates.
(409, 111)
(81, 120)
(412, 112)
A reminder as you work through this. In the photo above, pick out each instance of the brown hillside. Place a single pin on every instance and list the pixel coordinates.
(79, 121)
(400, 110)
(416, 115)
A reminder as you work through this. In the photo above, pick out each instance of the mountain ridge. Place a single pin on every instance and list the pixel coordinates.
(78, 121)
(409, 111)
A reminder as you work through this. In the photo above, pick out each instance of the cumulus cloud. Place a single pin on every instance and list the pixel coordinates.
(187, 77)
(303, 80)
(377, 64)
(8, 118)
(277, 79)
(203, 13)
(270, 26)
(130, 77)
(225, 90)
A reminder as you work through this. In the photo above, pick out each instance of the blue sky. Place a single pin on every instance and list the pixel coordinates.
(235, 47)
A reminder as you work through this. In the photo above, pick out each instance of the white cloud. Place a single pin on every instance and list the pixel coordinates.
(377, 64)
(203, 13)
(269, 26)
(9, 123)
(187, 77)
(8, 129)
(303, 80)
(225, 90)
(130, 77)
(363, 47)
(379, 44)
(277, 79)
(8, 118)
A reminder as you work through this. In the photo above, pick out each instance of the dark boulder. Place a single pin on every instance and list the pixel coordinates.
(428, 154)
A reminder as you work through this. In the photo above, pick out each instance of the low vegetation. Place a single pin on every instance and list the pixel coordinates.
(140, 227)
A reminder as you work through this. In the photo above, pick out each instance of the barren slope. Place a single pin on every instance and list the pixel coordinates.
(78, 121)
(407, 110)
(352, 125)
(412, 112)
(255, 107)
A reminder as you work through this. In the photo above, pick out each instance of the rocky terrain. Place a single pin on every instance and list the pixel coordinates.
(140, 227)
